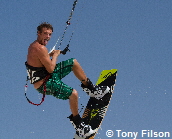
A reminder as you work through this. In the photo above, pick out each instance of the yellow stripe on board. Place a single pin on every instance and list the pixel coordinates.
(105, 74)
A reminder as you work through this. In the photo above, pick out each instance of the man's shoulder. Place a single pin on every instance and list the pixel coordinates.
(37, 46)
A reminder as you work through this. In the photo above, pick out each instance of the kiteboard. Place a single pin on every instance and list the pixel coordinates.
(96, 109)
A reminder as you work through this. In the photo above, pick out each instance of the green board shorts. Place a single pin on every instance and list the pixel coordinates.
(54, 85)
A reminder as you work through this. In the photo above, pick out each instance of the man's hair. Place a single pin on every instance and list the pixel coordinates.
(44, 25)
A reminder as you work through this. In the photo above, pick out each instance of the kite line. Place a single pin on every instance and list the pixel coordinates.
(68, 22)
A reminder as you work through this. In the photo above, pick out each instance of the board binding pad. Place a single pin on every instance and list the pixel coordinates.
(96, 109)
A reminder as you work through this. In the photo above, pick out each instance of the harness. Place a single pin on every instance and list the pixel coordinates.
(35, 74)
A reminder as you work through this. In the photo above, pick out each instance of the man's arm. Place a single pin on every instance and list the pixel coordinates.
(44, 57)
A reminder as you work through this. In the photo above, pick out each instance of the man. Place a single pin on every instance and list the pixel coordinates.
(43, 69)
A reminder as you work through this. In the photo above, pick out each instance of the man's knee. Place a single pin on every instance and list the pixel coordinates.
(74, 94)
(75, 62)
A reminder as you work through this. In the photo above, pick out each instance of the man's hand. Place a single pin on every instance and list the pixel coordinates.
(55, 53)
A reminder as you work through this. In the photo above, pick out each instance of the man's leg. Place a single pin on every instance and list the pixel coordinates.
(79, 72)
(73, 102)
(92, 90)
(82, 129)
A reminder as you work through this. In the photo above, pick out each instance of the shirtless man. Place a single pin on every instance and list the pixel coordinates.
(42, 68)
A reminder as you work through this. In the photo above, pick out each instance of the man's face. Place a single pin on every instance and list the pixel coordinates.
(44, 36)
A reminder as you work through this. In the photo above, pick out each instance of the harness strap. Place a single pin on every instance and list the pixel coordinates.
(44, 84)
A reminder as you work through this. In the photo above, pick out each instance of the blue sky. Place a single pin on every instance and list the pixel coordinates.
(133, 36)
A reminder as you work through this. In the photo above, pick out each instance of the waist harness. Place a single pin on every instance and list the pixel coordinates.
(35, 74)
